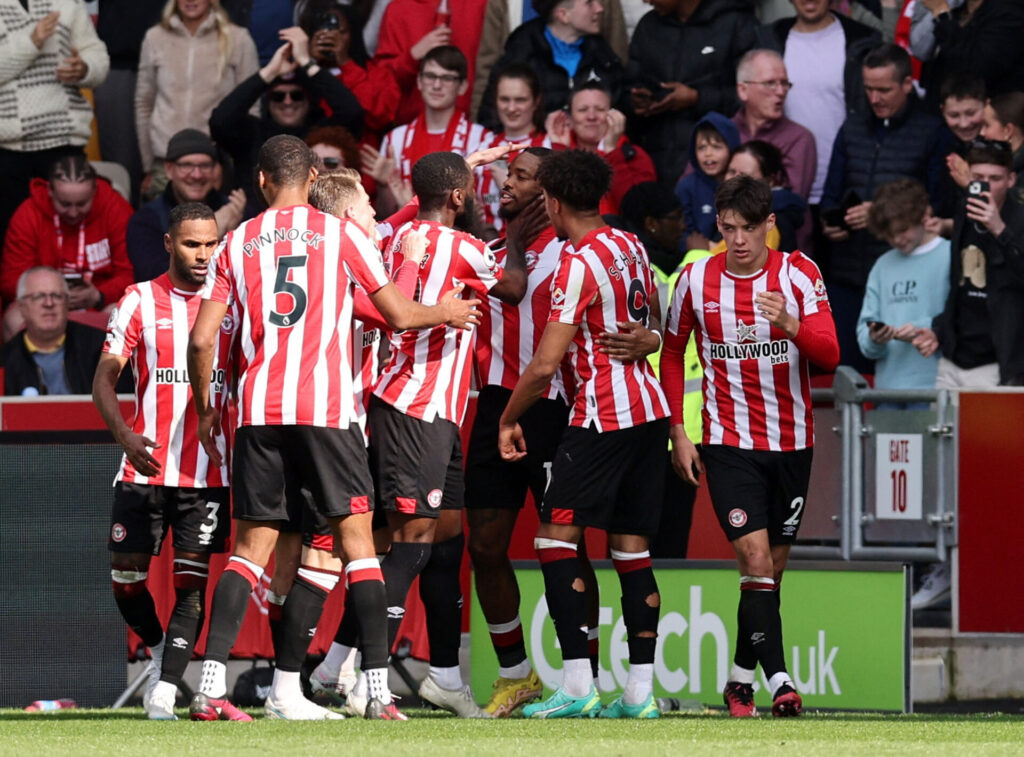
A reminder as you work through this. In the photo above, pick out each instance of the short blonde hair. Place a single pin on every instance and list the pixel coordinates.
(335, 192)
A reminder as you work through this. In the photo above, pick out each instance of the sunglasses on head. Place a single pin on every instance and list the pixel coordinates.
(331, 162)
(280, 95)
(991, 144)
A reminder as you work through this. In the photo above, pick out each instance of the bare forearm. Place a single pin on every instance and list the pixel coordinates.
(200, 365)
(531, 387)
(104, 396)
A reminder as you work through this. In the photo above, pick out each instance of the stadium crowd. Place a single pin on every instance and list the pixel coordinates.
(887, 137)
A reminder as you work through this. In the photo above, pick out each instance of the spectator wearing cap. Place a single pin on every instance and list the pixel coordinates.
(291, 86)
(189, 62)
(191, 168)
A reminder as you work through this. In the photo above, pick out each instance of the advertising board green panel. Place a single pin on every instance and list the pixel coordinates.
(846, 634)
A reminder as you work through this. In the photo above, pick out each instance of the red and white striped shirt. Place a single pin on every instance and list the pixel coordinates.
(150, 325)
(428, 374)
(508, 335)
(292, 270)
(757, 391)
(410, 142)
(489, 188)
(607, 280)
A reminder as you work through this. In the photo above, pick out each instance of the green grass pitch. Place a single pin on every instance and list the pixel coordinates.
(126, 732)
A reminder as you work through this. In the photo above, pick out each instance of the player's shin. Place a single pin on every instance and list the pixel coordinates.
(400, 566)
(441, 592)
(759, 617)
(369, 603)
(567, 604)
(136, 604)
(187, 618)
(641, 607)
(226, 614)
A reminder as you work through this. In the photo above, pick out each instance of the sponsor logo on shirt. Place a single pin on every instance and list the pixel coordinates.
(777, 350)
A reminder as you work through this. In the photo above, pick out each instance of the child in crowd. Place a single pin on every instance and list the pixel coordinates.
(762, 160)
(907, 287)
(714, 138)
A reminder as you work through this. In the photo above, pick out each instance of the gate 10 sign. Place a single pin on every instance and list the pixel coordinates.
(898, 474)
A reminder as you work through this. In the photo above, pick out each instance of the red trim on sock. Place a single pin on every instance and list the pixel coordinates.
(243, 570)
(358, 505)
(628, 566)
(127, 591)
(189, 581)
(593, 647)
(508, 638)
(554, 554)
(274, 611)
(754, 586)
(365, 574)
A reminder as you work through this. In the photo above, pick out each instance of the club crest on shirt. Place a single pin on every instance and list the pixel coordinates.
(228, 324)
(737, 518)
(112, 320)
(531, 260)
(434, 498)
(819, 290)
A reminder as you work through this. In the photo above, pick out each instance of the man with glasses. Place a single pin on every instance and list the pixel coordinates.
(192, 169)
(762, 84)
(51, 355)
(440, 127)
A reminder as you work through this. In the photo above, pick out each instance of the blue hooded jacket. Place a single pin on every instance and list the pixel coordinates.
(696, 190)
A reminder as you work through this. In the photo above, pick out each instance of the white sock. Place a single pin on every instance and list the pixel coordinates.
(376, 684)
(520, 670)
(157, 653)
(779, 680)
(166, 689)
(286, 686)
(741, 675)
(213, 681)
(447, 678)
(336, 656)
(577, 680)
(639, 683)
(348, 665)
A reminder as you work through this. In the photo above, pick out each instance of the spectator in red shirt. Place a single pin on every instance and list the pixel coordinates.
(75, 223)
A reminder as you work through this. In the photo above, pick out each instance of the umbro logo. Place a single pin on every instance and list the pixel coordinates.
(396, 612)
(164, 323)
(707, 50)
(711, 307)
(179, 643)
(756, 638)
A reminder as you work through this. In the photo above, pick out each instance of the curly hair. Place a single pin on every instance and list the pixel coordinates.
(575, 177)
(897, 206)
(340, 137)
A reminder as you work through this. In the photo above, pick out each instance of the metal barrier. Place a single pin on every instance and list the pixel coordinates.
(896, 470)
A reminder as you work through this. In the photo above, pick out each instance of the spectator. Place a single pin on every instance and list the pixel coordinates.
(335, 147)
(906, 288)
(980, 37)
(191, 170)
(501, 19)
(122, 24)
(192, 36)
(962, 104)
(76, 223)
(264, 19)
(51, 355)
(592, 124)
(896, 139)
(519, 101)
(336, 43)
(441, 126)
(762, 160)
(673, 91)
(563, 46)
(823, 52)
(881, 16)
(711, 146)
(47, 52)
(291, 86)
(981, 328)
(412, 28)
(762, 85)
(1004, 120)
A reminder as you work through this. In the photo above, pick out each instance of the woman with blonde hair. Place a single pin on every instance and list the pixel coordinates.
(189, 62)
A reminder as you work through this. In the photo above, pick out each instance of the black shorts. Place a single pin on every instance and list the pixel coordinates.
(417, 466)
(612, 480)
(200, 519)
(494, 482)
(329, 463)
(758, 489)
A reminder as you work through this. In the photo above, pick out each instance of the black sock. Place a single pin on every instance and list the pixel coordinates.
(639, 612)
(369, 608)
(182, 632)
(227, 612)
(441, 592)
(299, 616)
(762, 625)
(400, 566)
(274, 617)
(567, 601)
(348, 629)
(139, 613)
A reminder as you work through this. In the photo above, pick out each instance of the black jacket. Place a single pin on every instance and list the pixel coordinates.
(82, 347)
(702, 53)
(859, 40)
(1004, 272)
(242, 134)
(122, 24)
(869, 152)
(528, 45)
(144, 236)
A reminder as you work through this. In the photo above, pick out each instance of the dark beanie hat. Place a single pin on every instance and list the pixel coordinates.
(190, 142)
(648, 200)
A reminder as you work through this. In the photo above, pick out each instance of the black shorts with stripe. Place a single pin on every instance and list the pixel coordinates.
(199, 518)
(758, 489)
(492, 482)
(612, 480)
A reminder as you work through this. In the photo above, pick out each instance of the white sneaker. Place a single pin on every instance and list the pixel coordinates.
(460, 701)
(357, 697)
(153, 671)
(934, 589)
(298, 709)
(333, 691)
(160, 705)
